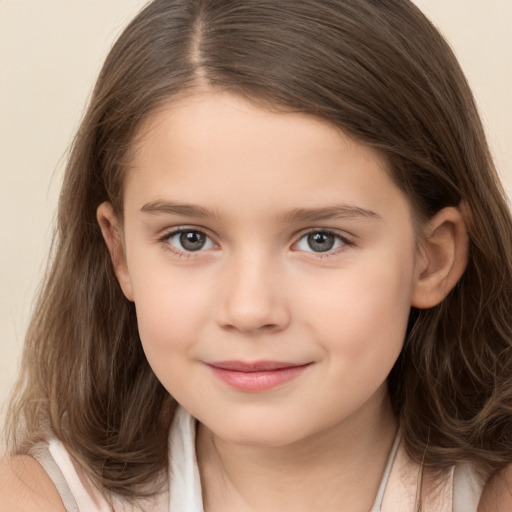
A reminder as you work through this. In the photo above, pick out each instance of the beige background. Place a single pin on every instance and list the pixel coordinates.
(50, 54)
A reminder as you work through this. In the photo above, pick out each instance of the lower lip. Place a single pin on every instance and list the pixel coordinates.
(260, 380)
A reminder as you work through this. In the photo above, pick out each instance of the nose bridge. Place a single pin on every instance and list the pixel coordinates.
(252, 295)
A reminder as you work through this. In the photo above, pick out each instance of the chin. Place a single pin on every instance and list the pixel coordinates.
(261, 433)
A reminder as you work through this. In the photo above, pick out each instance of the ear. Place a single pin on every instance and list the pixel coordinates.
(442, 257)
(111, 232)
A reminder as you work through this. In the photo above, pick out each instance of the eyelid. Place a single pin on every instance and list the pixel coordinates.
(347, 241)
(176, 230)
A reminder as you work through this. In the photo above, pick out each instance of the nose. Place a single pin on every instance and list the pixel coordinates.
(253, 297)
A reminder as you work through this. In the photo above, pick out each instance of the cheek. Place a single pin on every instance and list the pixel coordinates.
(171, 308)
(362, 314)
(169, 320)
(368, 336)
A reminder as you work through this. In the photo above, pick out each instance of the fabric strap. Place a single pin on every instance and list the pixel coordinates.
(404, 485)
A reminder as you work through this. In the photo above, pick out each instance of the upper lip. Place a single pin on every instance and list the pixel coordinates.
(254, 366)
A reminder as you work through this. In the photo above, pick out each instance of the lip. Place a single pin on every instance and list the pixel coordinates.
(256, 376)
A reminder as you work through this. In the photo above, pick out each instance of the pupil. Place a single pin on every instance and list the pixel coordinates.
(321, 242)
(192, 240)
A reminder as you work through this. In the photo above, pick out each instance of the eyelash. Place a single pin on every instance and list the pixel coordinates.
(339, 239)
(343, 242)
(165, 240)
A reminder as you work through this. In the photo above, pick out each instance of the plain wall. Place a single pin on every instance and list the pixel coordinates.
(50, 54)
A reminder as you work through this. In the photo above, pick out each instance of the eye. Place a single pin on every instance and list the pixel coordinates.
(189, 240)
(320, 241)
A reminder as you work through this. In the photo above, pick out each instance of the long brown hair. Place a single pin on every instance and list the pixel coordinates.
(381, 72)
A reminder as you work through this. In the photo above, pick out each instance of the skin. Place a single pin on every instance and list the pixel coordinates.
(255, 184)
(258, 291)
(24, 485)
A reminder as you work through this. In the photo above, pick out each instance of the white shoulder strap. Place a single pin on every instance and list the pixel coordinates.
(86, 497)
(467, 488)
(377, 505)
(42, 455)
(184, 479)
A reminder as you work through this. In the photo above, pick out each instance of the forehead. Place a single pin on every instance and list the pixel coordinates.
(225, 152)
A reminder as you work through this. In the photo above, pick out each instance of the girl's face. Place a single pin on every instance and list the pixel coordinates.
(272, 262)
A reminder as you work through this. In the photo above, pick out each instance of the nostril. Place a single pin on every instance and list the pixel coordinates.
(236, 318)
(251, 299)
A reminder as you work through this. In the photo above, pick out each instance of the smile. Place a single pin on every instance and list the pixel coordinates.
(256, 376)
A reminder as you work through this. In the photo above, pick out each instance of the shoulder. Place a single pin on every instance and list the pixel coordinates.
(25, 485)
(497, 494)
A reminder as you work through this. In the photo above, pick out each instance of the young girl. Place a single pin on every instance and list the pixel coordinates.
(282, 278)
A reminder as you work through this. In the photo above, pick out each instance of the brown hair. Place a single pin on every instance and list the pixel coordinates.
(381, 72)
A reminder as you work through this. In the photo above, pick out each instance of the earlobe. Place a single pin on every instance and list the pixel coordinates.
(442, 257)
(111, 232)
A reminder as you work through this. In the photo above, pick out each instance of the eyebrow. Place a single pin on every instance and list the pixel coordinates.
(293, 216)
(172, 208)
(327, 213)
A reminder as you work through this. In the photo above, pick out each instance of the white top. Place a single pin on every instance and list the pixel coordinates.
(398, 490)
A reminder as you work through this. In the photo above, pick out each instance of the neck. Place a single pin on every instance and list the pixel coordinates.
(339, 468)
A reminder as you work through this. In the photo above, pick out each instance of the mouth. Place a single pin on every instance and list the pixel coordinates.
(256, 376)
